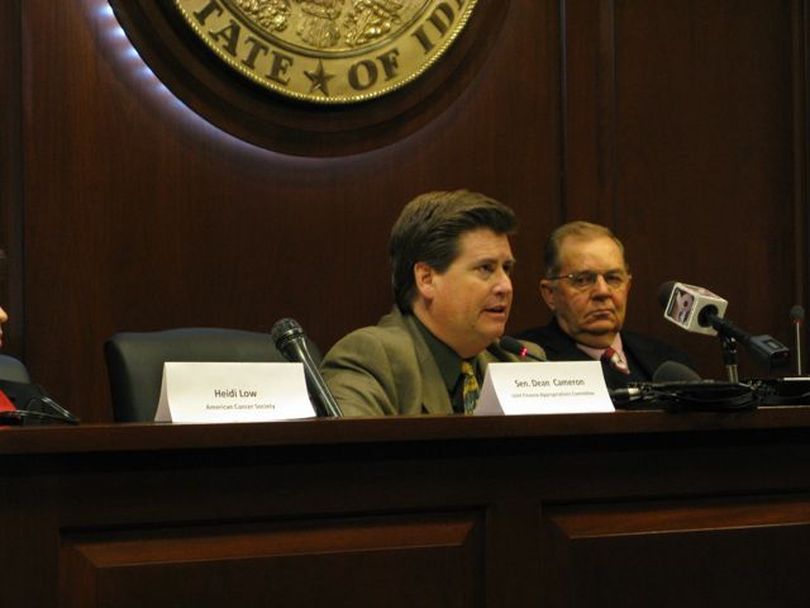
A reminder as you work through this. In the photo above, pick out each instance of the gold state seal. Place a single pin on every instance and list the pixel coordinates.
(328, 51)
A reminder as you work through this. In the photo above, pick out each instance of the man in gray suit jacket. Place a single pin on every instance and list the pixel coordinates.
(451, 266)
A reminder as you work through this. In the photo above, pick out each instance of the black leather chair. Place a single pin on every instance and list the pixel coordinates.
(135, 361)
(13, 370)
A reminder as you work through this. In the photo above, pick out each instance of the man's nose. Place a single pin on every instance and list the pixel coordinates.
(601, 287)
(504, 283)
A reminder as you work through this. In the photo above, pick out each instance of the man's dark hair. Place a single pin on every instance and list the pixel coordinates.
(428, 231)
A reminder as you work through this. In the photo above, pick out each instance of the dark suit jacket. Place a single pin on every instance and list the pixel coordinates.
(644, 354)
(388, 369)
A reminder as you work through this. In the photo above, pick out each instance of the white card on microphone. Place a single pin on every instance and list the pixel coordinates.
(685, 304)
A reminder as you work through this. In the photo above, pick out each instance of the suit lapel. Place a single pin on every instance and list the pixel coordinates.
(642, 356)
(433, 393)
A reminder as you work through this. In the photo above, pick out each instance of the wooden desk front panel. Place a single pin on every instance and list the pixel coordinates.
(394, 513)
(742, 551)
(383, 561)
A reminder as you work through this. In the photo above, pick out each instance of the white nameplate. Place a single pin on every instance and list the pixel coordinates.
(233, 392)
(552, 387)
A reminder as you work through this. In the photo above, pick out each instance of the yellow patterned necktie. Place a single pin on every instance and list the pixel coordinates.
(471, 389)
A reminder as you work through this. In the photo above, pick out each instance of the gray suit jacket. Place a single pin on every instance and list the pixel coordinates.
(388, 369)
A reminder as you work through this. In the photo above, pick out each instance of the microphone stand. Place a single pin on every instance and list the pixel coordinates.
(729, 347)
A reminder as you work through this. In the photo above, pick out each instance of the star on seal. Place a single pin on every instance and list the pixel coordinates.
(320, 79)
(328, 51)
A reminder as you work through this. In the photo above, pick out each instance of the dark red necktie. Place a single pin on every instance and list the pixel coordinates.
(615, 360)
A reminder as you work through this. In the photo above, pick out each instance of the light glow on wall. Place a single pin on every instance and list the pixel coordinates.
(127, 56)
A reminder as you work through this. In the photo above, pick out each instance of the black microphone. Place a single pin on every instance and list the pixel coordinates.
(705, 312)
(628, 393)
(687, 306)
(31, 405)
(291, 341)
(667, 373)
(797, 316)
(676, 386)
(672, 371)
(514, 346)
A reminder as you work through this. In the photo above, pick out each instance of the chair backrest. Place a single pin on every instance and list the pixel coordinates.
(13, 369)
(135, 361)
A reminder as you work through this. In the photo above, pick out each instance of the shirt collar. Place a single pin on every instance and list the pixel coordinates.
(596, 353)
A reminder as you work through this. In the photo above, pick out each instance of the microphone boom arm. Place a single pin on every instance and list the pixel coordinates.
(766, 349)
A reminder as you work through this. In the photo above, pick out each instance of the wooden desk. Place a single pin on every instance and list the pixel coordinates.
(626, 509)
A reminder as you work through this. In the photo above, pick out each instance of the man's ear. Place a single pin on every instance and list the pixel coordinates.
(423, 277)
(547, 293)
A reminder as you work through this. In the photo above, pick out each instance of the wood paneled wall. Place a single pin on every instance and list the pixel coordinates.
(681, 124)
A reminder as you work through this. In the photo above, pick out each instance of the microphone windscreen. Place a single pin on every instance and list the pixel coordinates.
(512, 345)
(672, 371)
(664, 292)
(284, 329)
(797, 313)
